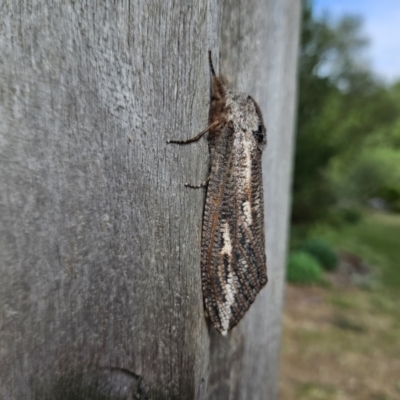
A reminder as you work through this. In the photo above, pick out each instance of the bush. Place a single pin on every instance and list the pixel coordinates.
(392, 196)
(303, 268)
(350, 215)
(322, 252)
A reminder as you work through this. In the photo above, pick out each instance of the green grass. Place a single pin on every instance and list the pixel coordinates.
(376, 239)
(349, 331)
(315, 391)
(343, 322)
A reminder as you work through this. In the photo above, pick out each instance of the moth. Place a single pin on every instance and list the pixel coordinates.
(233, 261)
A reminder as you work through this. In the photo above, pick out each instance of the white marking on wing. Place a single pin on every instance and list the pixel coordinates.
(227, 249)
(230, 291)
(247, 213)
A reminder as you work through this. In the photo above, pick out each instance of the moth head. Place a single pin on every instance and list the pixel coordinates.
(260, 133)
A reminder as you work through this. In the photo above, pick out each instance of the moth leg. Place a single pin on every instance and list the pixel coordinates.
(197, 137)
(202, 184)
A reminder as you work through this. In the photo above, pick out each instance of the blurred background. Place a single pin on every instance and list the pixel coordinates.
(341, 335)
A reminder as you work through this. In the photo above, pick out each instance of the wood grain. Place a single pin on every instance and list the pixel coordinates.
(99, 239)
(259, 42)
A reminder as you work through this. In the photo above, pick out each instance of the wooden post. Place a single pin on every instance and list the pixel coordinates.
(259, 42)
(99, 238)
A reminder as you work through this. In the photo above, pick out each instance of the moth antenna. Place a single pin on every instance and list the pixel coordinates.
(211, 63)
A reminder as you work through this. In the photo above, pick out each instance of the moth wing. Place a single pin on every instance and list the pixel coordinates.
(233, 258)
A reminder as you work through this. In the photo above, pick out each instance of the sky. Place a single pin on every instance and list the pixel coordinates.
(381, 26)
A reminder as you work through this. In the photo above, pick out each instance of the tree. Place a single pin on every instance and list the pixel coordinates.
(340, 104)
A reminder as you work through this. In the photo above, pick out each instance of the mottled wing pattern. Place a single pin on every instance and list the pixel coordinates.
(233, 264)
(233, 244)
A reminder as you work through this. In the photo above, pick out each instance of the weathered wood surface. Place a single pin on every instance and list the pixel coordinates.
(259, 42)
(99, 240)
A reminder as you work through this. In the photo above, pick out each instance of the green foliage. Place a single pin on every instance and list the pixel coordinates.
(322, 252)
(372, 172)
(303, 268)
(348, 132)
(350, 215)
(391, 194)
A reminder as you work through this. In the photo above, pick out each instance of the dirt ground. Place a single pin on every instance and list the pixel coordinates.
(339, 343)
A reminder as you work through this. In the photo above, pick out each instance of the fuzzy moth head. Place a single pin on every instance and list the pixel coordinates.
(235, 108)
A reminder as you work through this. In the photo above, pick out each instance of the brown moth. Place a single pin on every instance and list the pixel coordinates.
(233, 262)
